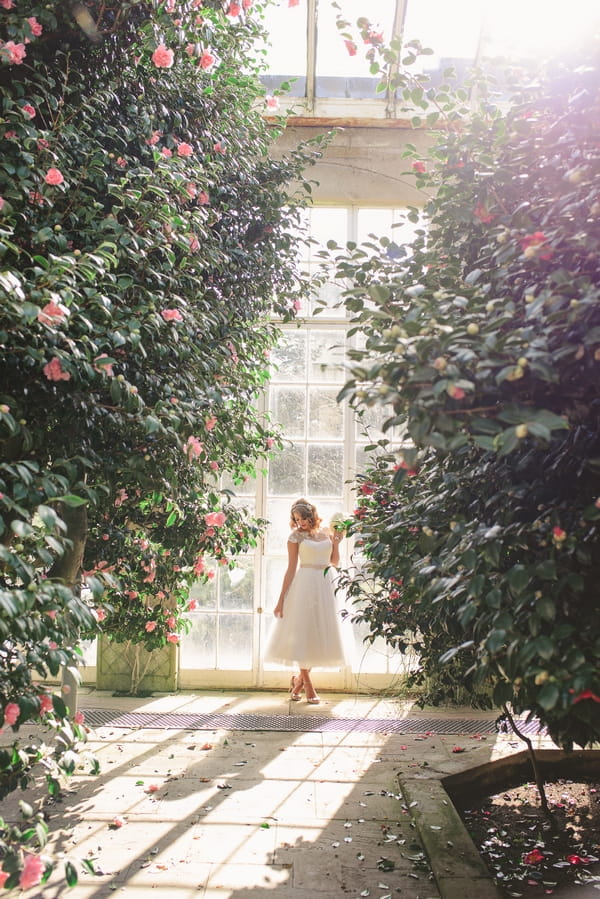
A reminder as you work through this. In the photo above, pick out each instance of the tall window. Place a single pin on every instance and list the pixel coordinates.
(324, 447)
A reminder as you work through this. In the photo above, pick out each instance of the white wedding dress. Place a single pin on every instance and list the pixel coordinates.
(310, 633)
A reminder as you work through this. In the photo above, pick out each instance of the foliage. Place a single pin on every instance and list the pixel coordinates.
(147, 241)
(479, 535)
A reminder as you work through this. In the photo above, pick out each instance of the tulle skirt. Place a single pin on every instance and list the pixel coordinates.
(311, 633)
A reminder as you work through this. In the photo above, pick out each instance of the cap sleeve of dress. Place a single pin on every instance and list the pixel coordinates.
(295, 537)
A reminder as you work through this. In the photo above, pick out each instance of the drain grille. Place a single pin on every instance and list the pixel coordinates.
(297, 723)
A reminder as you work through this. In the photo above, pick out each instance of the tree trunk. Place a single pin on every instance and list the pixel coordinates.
(67, 568)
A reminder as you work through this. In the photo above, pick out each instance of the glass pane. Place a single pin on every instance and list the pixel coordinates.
(326, 356)
(288, 405)
(289, 359)
(274, 572)
(451, 30)
(538, 28)
(286, 57)
(286, 472)
(278, 513)
(325, 472)
(326, 415)
(235, 642)
(237, 586)
(199, 648)
(329, 294)
(328, 223)
(338, 73)
(205, 594)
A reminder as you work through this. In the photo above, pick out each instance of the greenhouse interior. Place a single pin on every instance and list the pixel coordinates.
(275, 272)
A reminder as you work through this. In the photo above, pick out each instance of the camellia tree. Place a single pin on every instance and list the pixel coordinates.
(477, 530)
(147, 242)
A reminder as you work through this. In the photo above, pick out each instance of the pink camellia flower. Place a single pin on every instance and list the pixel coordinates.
(132, 594)
(193, 448)
(351, 48)
(52, 313)
(192, 605)
(32, 872)
(234, 9)
(171, 622)
(419, 166)
(150, 626)
(7, 4)
(533, 857)
(246, 4)
(163, 57)
(210, 575)
(36, 197)
(199, 566)
(586, 694)
(457, 393)
(184, 149)
(36, 28)
(293, 3)
(577, 860)
(121, 162)
(154, 138)
(270, 441)
(209, 423)
(46, 704)
(172, 315)
(194, 243)
(16, 52)
(102, 367)
(153, 788)
(207, 60)
(190, 49)
(214, 465)
(480, 212)
(191, 190)
(271, 102)
(11, 713)
(42, 143)
(203, 198)
(117, 822)
(79, 717)
(166, 153)
(1, 203)
(54, 176)
(215, 519)
(54, 370)
(219, 148)
(100, 614)
(558, 534)
(170, 7)
(29, 110)
(172, 638)
(535, 246)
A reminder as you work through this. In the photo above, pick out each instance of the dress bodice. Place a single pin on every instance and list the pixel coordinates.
(314, 550)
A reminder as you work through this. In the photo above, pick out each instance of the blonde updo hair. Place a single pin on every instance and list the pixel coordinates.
(305, 510)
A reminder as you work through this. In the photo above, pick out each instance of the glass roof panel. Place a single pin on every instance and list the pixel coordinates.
(286, 53)
(339, 73)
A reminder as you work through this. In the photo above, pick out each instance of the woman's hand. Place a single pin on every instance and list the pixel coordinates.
(278, 610)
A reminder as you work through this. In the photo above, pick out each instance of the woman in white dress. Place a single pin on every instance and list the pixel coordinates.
(307, 630)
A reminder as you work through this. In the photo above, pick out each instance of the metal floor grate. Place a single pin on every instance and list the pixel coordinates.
(296, 723)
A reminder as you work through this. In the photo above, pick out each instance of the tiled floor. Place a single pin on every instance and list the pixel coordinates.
(257, 813)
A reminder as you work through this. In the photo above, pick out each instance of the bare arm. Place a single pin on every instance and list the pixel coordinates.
(334, 558)
(288, 577)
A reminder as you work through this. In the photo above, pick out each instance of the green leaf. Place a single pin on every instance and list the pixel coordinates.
(548, 696)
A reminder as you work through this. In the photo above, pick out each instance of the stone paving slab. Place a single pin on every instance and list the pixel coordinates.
(243, 814)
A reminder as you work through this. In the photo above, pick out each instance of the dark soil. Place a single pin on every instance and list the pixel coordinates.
(525, 854)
